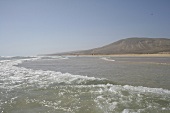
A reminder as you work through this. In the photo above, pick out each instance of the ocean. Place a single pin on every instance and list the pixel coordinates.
(89, 84)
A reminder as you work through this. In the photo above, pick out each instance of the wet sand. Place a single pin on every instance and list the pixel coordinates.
(130, 55)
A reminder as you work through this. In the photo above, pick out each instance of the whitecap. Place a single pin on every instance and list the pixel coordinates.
(107, 59)
(106, 97)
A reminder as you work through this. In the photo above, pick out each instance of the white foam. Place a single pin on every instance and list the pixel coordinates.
(144, 98)
(53, 57)
(108, 98)
(12, 75)
(107, 59)
(146, 89)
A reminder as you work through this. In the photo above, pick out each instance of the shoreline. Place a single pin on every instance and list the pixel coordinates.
(126, 55)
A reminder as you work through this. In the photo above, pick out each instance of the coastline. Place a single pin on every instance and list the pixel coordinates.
(126, 55)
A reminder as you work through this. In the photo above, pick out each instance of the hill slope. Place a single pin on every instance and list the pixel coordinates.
(129, 46)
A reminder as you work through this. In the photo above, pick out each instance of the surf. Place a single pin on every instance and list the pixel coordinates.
(72, 93)
(107, 59)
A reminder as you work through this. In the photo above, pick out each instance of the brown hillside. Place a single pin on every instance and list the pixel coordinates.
(129, 46)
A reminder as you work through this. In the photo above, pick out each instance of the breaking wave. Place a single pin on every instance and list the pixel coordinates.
(107, 59)
(27, 90)
(53, 57)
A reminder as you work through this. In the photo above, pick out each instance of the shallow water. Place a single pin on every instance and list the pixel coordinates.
(41, 85)
(138, 71)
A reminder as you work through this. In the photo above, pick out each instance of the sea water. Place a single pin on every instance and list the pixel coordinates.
(84, 85)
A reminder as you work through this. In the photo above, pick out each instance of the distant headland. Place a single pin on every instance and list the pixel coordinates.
(128, 46)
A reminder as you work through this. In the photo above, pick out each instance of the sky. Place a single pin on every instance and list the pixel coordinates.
(31, 27)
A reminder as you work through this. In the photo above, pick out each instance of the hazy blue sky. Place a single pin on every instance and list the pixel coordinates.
(31, 27)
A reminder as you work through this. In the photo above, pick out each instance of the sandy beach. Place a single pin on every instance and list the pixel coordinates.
(128, 55)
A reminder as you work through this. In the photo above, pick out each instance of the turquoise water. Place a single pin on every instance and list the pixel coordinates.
(84, 85)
